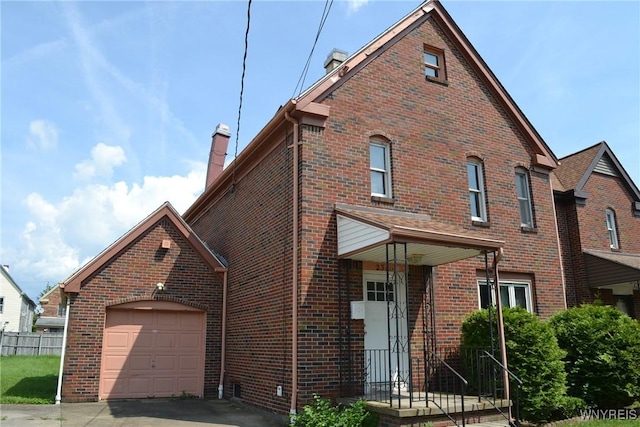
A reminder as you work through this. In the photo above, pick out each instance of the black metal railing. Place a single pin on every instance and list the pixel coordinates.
(446, 388)
(377, 381)
(487, 375)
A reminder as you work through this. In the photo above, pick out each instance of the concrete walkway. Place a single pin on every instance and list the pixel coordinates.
(137, 413)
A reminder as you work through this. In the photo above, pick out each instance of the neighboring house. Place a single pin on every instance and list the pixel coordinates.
(145, 316)
(404, 175)
(53, 305)
(598, 209)
(16, 308)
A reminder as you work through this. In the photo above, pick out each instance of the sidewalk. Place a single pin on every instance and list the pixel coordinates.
(136, 413)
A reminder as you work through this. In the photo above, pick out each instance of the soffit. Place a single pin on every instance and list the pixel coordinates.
(363, 234)
(611, 268)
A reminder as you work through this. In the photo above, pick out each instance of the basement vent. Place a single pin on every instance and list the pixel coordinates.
(236, 390)
(605, 166)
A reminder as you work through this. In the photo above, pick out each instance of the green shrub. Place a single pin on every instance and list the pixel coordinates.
(603, 354)
(533, 356)
(321, 413)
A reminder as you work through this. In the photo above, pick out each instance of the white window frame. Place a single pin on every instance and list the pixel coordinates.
(610, 216)
(386, 293)
(511, 285)
(386, 171)
(524, 200)
(477, 192)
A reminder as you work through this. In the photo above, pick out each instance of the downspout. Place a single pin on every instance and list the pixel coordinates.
(224, 331)
(497, 257)
(555, 222)
(64, 350)
(294, 273)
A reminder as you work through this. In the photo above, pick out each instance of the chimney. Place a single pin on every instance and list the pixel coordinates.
(219, 143)
(334, 59)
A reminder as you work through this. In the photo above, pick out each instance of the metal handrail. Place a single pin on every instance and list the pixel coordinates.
(464, 384)
(496, 361)
(517, 389)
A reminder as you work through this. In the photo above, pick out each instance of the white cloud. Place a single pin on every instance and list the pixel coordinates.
(61, 236)
(43, 135)
(103, 159)
(355, 5)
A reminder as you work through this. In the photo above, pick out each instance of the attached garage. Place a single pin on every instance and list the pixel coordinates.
(145, 317)
(152, 349)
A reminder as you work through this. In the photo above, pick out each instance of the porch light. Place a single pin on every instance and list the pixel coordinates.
(415, 259)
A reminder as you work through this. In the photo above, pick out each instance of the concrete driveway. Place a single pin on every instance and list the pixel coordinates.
(137, 413)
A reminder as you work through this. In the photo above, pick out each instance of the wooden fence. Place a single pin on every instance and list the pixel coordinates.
(29, 344)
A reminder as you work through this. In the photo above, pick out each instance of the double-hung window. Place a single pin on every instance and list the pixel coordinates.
(434, 63)
(611, 229)
(380, 167)
(512, 294)
(524, 198)
(476, 190)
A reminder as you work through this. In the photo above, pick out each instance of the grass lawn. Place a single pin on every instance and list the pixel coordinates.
(28, 379)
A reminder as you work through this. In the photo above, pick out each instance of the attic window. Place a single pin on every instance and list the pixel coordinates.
(434, 67)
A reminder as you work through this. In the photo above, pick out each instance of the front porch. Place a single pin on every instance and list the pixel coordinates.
(390, 353)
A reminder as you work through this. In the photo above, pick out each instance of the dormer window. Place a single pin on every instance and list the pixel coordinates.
(434, 64)
(611, 229)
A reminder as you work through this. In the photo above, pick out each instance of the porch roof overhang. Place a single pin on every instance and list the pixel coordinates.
(612, 269)
(364, 232)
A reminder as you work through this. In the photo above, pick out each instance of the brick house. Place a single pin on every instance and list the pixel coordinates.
(598, 209)
(362, 223)
(145, 316)
(54, 305)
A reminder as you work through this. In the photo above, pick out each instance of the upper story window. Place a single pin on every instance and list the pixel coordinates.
(62, 310)
(476, 190)
(1, 304)
(434, 63)
(611, 229)
(380, 167)
(512, 294)
(524, 198)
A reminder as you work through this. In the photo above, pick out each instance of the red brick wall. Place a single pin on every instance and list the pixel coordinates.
(252, 228)
(130, 276)
(586, 228)
(51, 302)
(608, 192)
(433, 128)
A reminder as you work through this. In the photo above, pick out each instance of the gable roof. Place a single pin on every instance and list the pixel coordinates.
(45, 296)
(575, 169)
(19, 290)
(307, 108)
(74, 282)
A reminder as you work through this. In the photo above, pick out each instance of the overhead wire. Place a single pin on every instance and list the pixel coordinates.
(303, 75)
(244, 68)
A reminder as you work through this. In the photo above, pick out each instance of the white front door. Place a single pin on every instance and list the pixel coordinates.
(384, 323)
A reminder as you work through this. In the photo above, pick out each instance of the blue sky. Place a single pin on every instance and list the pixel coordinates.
(107, 108)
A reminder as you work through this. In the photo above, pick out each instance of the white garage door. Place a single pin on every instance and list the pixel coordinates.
(152, 349)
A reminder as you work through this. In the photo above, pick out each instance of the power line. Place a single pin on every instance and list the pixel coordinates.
(244, 68)
(323, 19)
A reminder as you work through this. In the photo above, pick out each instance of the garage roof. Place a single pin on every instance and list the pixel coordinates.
(74, 282)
